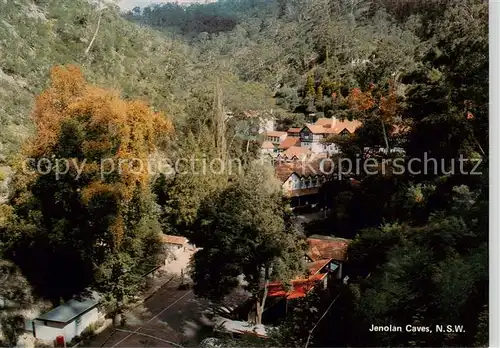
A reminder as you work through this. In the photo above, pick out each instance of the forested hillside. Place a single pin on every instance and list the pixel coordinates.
(296, 47)
(81, 82)
(136, 60)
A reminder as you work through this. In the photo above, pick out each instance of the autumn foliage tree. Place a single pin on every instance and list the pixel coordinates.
(376, 103)
(83, 208)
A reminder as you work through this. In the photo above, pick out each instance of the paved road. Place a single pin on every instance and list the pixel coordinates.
(170, 315)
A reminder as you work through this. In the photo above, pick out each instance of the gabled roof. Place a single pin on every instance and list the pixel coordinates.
(294, 130)
(296, 151)
(324, 121)
(68, 311)
(275, 133)
(315, 129)
(284, 170)
(289, 142)
(333, 126)
(316, 266)
(351, 126)
(178, 240)
(267, 145)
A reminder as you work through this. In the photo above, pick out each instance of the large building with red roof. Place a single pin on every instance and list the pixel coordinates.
(314, 137)
(304, 147)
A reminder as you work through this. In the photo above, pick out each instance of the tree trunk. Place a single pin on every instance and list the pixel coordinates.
(260, 305)
(385, 136)
(219, 120)
(326, 60)
(95, 33)
(117, 320)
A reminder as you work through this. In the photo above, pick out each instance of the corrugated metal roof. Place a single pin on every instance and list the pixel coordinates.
(70, 310)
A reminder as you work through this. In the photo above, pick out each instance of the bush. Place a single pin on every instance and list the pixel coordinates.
(74, 341)
(39, 344)
(87, 333)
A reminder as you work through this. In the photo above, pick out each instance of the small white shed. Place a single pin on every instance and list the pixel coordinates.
(67, 320)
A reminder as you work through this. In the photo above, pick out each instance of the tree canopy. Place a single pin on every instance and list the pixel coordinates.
(414, 72)
(82, 209)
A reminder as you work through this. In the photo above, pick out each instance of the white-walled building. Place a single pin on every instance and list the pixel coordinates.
(275, 137)
(67, 320)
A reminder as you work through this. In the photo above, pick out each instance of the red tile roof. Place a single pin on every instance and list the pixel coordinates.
(177, 240)
(267, 145)
(333, 126)
(289, 142)
(351, 126)
(316, 129)
(294, 130)
(316, 266)
(299, 287)
(302, 286)
(296, 151)
(320, 249)
(303, 169)
(324, 121)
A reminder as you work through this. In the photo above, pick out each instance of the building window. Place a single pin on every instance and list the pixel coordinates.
(296, 184)
(303, 183)
(310, 182)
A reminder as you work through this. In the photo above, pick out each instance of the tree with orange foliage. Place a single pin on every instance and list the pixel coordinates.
(90, 225)
(383, 107)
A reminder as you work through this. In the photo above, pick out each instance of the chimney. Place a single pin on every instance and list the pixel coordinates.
(334, 122)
